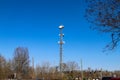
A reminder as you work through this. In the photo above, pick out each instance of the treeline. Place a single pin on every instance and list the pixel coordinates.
(19, 68)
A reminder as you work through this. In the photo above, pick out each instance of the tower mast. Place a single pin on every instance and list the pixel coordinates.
(61, 42)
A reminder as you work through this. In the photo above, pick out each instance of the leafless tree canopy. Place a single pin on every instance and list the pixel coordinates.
(105, 16)
(46, 71)
(2, 65)
(71, 66)
(21, 61)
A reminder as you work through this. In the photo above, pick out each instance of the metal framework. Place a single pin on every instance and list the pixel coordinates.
(61, 42)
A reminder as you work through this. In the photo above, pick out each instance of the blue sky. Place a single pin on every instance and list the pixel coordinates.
(34, 24)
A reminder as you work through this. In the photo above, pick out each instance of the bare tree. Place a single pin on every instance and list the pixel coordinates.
(71, 66)
(38, 71)
(5, 68)
(64, 67)
(43, 70)
(105, 17)
(21, 62)
(52, 73)
(45, 67)
(2, 67)
(70, 69)
(9, 69)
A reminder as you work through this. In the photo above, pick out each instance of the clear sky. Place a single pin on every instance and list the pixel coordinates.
(34, 24)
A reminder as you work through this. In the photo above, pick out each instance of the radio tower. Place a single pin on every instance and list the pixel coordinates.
(61, 42)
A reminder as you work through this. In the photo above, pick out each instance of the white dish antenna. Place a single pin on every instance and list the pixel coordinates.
(61, 26)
